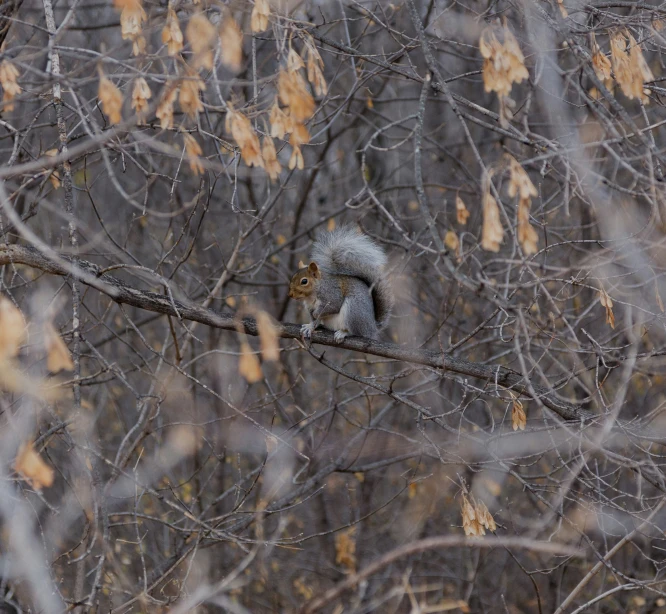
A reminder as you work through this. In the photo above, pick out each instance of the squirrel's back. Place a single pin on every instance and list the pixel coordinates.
(347, 251)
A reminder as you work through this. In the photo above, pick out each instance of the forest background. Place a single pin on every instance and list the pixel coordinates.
(167, 440)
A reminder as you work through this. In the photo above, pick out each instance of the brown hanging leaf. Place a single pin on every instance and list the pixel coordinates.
(231, 38)
(172, 35)
(111, 99)
(294, 61)
(485, 517)
(519, 181)
(193, 151)
(471, 525)
(600, 62)
(345, 548)
(629, 65)
(452, 242)
(31, 466)
(281, 123)
(10, 87)
(527, 236)
(248, 365)
(58, 357)
(296, 159)
(202, 38)
(563, 9)
(492, 233)
(141, 94)
(518, 417)
(299, 135)
(268, 336)
(131, 20)
(189, 97)
(260, 13)
(504, 63)
(606, 302)
(243, 133)
(12, 329)
(269, 154)
(164, 110)
(54, 177)
(461, 211)
(293, 93)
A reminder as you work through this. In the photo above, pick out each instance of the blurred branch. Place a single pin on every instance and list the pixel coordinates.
(431, 543)
(159, 303)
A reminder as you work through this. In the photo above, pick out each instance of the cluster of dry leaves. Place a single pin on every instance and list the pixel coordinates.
(630, 69)
(521, 186)
(204, 40)
(503, 65)
(14, 331)
(476, 518)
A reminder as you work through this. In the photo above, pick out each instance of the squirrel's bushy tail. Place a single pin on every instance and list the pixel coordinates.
(347, 251)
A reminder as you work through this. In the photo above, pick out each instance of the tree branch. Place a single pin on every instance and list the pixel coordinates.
(431, 543)
(123, 293)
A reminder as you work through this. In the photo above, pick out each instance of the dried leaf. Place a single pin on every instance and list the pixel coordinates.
(345, 548)
(202, 38)
(296, 159)
(519, 181)
(12, 329)
(269, 154)
(563, 9)
(281, 123)
(293, 93)
(243, 133)
(10, 87)
(31, 466)
(527, 236)
(606, 302)
(299, 135)
(189, 96)
(518, 416)
(452, 242)
(492, 232)
(294, 61)
(58, 357)
(54, 177)
(172, 35)
(600, 62)
(260, 14)
(231, 38)
(248, 365)
(111, 99)
(629, 65)
(268, 336)
(131, 20)
(504, 63)
(164, 110)
(193, 150)
(461, 211)
(141, 94)
(485, 517)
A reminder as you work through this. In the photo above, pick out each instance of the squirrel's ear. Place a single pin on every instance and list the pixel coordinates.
(313, 269)
(301, 264)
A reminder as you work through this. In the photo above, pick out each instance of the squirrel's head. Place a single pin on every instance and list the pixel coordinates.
(304, 281)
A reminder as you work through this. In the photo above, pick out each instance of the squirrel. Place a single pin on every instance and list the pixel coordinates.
(345, 287)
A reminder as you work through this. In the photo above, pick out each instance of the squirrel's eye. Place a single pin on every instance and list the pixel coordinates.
(304, 281)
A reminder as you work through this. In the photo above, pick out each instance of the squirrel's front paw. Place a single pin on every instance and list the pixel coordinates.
(306, 330)
(339, 335)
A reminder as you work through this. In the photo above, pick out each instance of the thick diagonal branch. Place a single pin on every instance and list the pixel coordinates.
(123, 293)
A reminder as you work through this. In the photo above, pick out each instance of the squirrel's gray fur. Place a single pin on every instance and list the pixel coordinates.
(347, 252)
